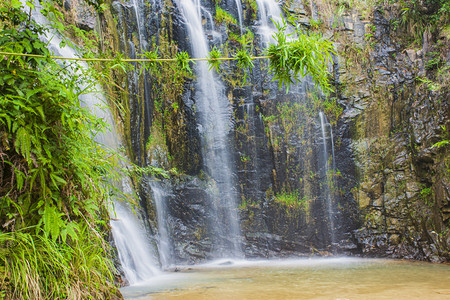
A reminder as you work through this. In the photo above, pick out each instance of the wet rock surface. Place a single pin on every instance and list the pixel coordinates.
(389, 127)
(390, 187)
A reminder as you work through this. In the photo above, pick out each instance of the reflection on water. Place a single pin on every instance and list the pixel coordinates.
(337, 278)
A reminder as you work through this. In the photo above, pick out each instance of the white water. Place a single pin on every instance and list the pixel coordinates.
(214, 125)
(135, 254)
(164, 243)
(326, 170)
(239, 9)
(269, 13)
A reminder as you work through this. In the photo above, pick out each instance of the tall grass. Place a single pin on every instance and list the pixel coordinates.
(36, 267)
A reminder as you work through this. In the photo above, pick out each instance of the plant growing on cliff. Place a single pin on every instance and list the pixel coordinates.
(244, 59)
(296, 55)
(54, 184)
(213, 59)
(292, 200)
(224, 17)
(183, 62)
(446, 138)
(418, 16)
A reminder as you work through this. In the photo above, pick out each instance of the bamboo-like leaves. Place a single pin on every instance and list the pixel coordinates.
(183, 61)
(152, 65)
(213, 59)
(58, 185)
(244, 58)
(296, 55)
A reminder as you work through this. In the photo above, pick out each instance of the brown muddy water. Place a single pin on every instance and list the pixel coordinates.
(318, 278)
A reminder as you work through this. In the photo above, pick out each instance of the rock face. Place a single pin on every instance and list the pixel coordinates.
(388, 193)
(390, 125)
(84, 16)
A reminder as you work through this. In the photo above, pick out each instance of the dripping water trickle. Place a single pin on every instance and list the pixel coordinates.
(163, 238)
(239, 9)
(328, 168)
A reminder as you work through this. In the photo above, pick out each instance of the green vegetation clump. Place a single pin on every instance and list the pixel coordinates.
(250, 9)
(292, 200)
(296, 55)
(418, 16)
(54, 184)
(223, 17)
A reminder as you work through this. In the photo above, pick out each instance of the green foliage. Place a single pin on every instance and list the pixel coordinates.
(224, 17)
(292, 199)
(426, 194)
(245, 159)
(244, 59)
(250, 8)
(213, 59)
(433, 61)
(316, 24)
(183, 62)
(332, 109)
(296, 55)
(248, 203)
(417, 16)
(54, 185)
(446, 138)
(151, 66)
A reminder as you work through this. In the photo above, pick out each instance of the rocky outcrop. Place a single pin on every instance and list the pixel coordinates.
(388, 193)
(392, 122)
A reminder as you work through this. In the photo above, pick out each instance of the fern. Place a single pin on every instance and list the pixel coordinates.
(23, 142)
(52, 221)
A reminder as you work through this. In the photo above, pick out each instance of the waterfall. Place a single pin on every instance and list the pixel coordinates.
(327, 171)
(269, 12)
(214, 124)
(163, 238)
(239, 9)
(135, 254)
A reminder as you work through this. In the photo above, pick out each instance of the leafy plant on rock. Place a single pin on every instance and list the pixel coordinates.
(296, 55)
(54, 184)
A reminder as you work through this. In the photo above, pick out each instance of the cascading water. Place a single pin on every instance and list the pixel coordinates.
(163, 238)
(135, 254)
(269, 12)
(327, 171)
(214, 125)
(239, 9)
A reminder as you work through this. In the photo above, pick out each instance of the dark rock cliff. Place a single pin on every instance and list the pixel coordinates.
(390, 188)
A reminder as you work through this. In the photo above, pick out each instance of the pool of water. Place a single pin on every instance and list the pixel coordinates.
(325, 278)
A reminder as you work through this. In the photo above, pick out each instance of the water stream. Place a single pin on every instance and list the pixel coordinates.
(165, 249)
(135, 254)
(214, 125)
(269, 12)
(327, 171)
(137, 259)
(239, 9)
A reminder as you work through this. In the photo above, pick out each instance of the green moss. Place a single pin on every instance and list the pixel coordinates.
(223, 17)
(292, 200)
(251, 9)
